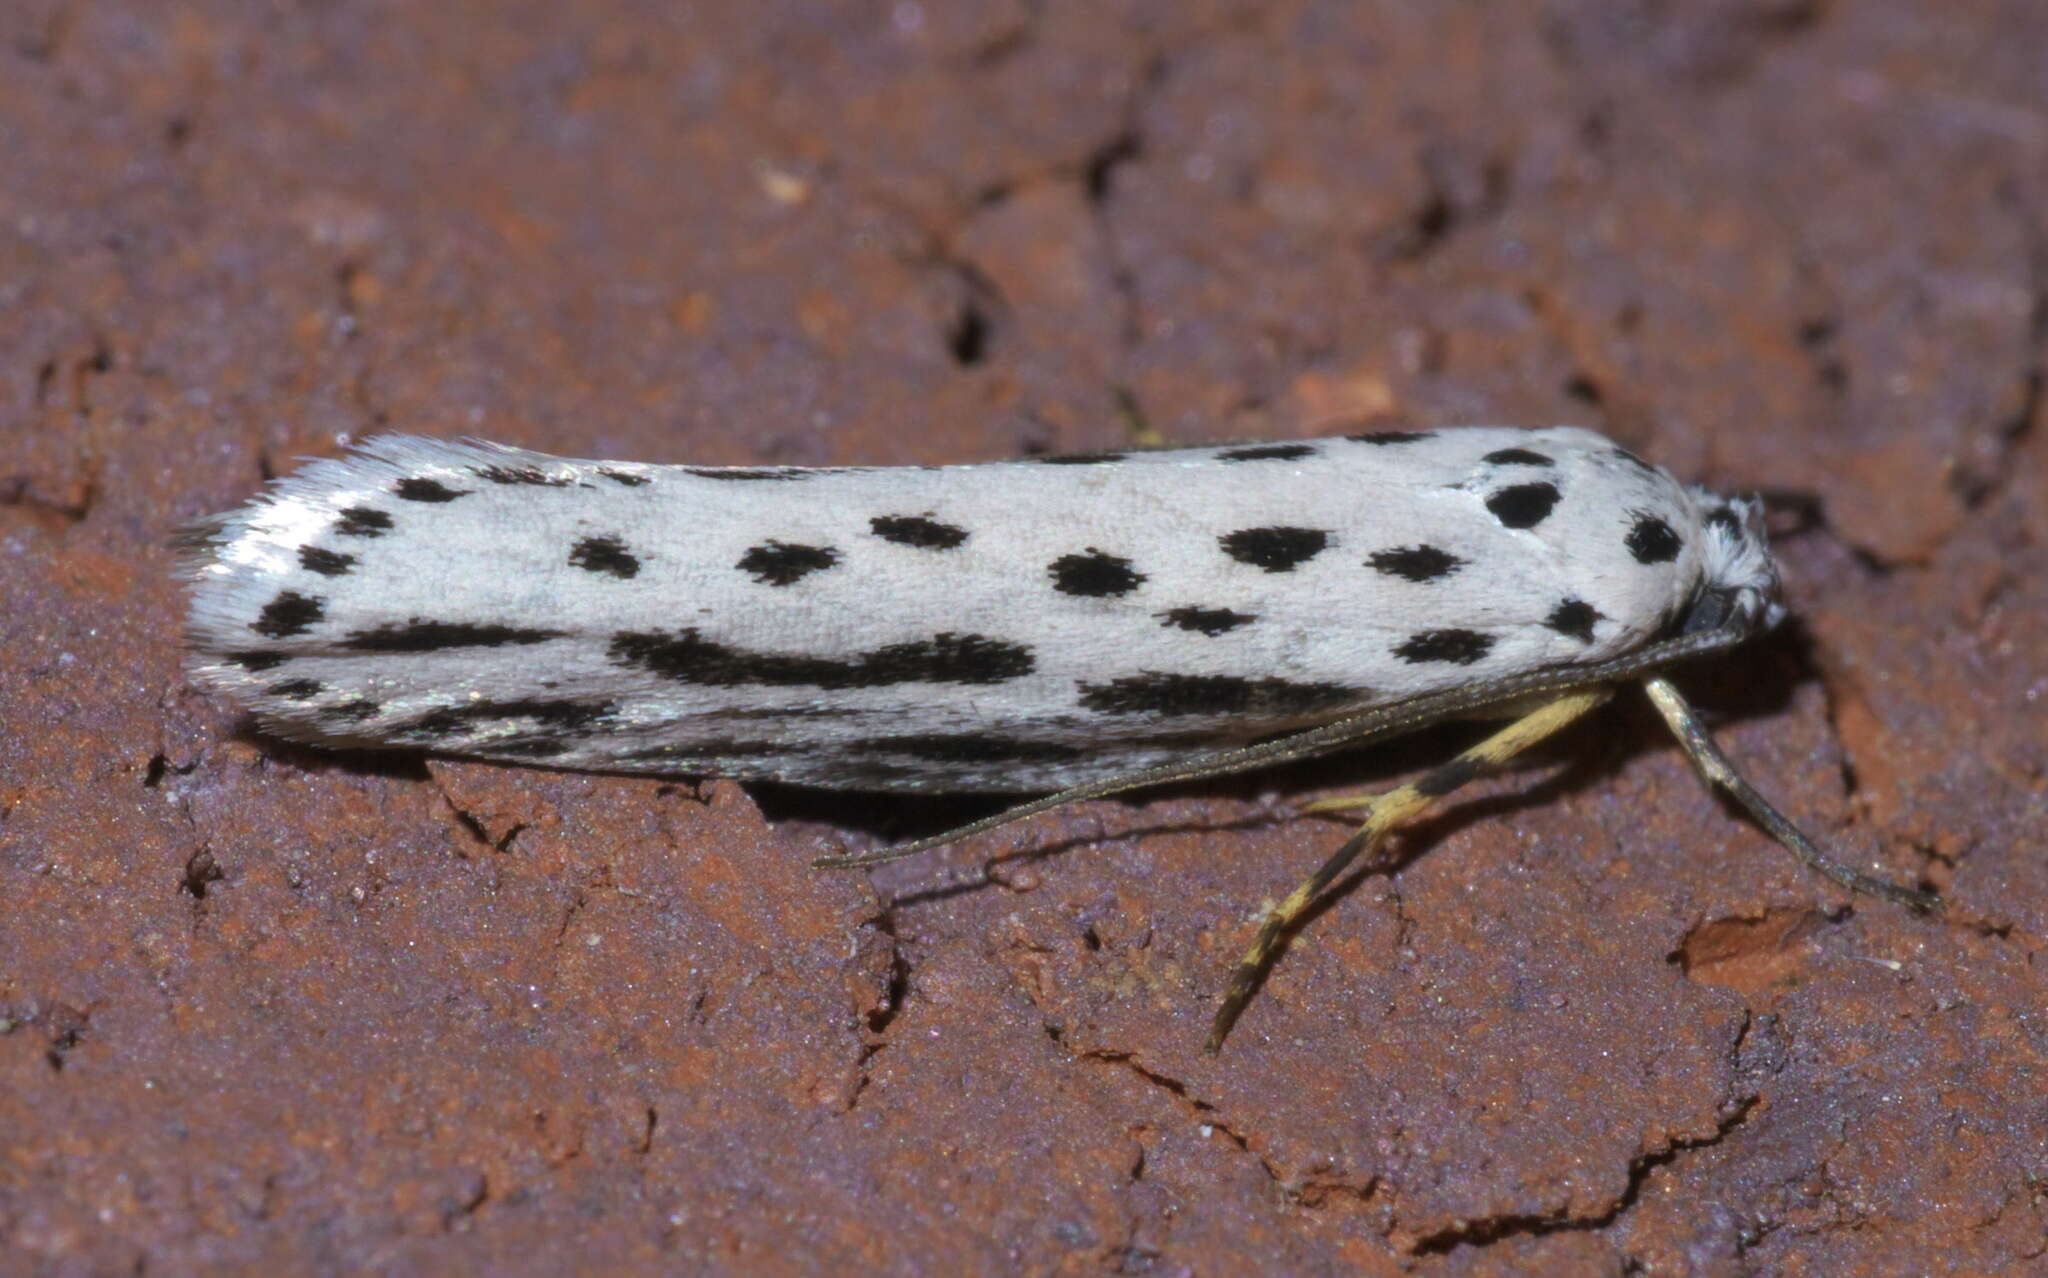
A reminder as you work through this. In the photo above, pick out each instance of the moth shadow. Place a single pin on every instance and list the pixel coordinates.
(883, 816)
(1753, 681)
(395, 764)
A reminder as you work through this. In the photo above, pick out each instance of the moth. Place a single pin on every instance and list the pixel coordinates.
(1074, 626)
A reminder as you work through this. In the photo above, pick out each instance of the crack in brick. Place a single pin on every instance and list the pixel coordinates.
(1126, 145)
(1201, 1111)
(1487, 1230)
(475, 826)
(886, 1008)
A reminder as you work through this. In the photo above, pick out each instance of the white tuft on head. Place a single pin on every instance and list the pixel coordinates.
(1739, 579)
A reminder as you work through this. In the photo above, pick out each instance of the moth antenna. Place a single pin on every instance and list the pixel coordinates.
(1716, 770)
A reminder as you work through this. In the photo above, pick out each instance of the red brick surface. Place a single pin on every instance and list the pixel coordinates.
(262, 1007)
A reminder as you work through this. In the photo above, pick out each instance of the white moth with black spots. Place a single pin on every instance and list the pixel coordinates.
(1020, 626)
(1081, 624)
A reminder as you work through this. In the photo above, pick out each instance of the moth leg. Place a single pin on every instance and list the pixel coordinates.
(1340, 803)
(1389, 811)
(1715, 768)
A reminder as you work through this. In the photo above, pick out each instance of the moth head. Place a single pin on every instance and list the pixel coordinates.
(1738, 578)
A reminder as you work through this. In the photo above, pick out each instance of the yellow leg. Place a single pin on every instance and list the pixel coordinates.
(1341, 803)
(1388, 812)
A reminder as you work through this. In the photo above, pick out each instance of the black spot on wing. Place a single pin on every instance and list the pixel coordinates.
(1274, 549)
(1453, 647)
(1208, 621)
(1391, 437)
(416, 488)
(362, 521)
(1416, 563)
(1523, 505)
(1268, 452)
(605, 555)
(1081, 459)
(557, 714)
(624, 478)
(418, 635)
(295, 689)
(1636, 461)
(1651, 540)
(778, 563)
(328, 563)
(349, 711)
(1574, 618)
(919, 531)
(1517, 457)
(1094, 575)
(688, 657)
(256, 662)
(290, 613)
(533, 475)
(1186, 694)
(785, 473)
